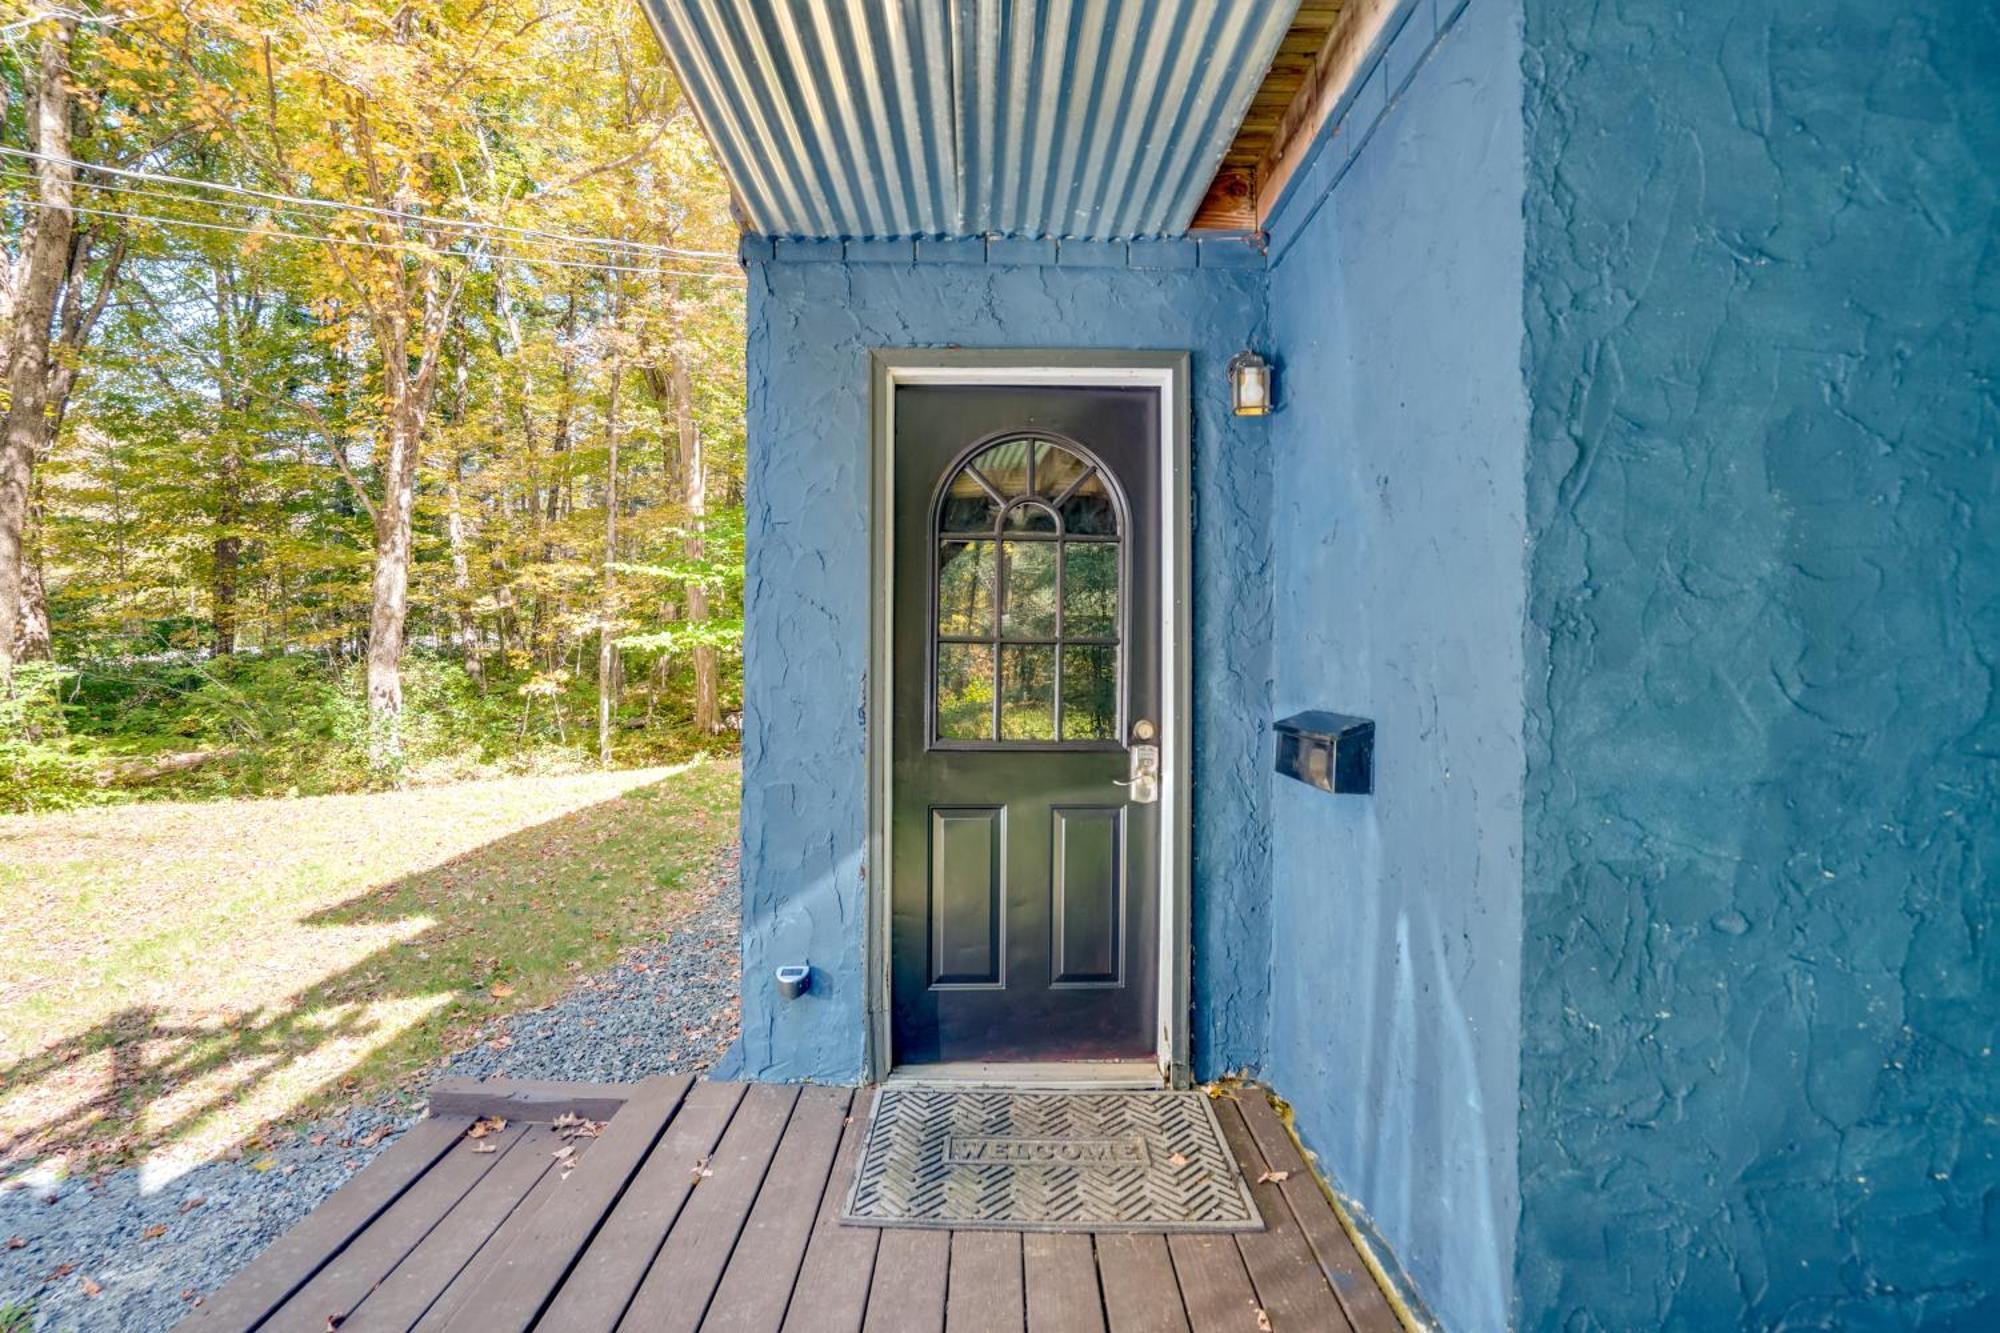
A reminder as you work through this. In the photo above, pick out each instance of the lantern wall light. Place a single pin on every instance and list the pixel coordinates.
(1249, 384)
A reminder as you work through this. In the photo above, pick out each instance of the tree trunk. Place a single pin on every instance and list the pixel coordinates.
(226, 552)
(461, 570)
(608, 609)
(44, 261)
(33, 643)
(707, 670)
(390, 594)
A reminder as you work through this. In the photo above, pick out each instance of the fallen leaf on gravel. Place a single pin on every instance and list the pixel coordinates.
(89, 1288)
(194, 1203)
(500, 1043)
(374, 1136)
(500, 990)
(154, 1232)
(60, 1270)
(263, 1164)
(16, 1243)
(317, 1140)
(1273, 1177)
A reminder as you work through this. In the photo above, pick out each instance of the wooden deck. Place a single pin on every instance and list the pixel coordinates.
(713, 1206)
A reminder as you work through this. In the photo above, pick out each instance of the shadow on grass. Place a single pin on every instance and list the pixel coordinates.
(506, 927)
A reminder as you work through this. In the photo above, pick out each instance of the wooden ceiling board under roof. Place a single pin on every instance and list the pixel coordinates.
(1231, 201)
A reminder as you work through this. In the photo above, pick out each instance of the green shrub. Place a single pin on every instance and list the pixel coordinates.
(40, 768)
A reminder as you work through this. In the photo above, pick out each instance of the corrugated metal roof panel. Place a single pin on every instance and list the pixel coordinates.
(1075, 118)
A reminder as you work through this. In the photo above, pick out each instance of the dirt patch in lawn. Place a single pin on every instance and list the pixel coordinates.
(178, 978)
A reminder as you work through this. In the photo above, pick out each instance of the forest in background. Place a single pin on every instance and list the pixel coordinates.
(373, 398)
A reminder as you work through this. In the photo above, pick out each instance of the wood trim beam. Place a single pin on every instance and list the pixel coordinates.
(528, 1099)
(1347, 45)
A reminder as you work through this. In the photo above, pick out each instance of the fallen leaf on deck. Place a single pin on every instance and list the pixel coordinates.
(1273, 1177)
(154, 1232)
(484, 1147)
(564, 1153)
(1263, 1321)
(701, 1171)
(486, 1124)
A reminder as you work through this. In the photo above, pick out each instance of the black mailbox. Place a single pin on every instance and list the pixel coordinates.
(1331, 751)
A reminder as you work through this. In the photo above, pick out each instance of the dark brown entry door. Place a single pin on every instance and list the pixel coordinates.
(1027, 673)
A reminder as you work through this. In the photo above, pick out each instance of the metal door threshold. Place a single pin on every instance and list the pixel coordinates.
(1031, 1074)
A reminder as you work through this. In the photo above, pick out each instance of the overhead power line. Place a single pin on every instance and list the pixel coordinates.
(7, 173)
(398, 215)
(598, 266)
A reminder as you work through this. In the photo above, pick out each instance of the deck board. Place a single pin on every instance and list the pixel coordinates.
(345, 1282)
(1341, 1263)
(1137, 1276)
(429, 1270)
(1290, 1287)
(675, 1294)
(717, 1207)
(274, 1276)
(598, 1291)
(983, 1288)
(839, 1264)
(514, 1293)
(756, 1288)
(495, 1253)
(911, 1269)
(1060, 1273)
(1215, 1287)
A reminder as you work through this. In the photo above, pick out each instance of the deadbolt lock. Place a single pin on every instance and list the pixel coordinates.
(1143, 775)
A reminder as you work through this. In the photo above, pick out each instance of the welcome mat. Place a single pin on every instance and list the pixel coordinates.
(1048, 1161)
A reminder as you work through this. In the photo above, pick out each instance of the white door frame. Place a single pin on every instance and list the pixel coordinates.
(1166, 373)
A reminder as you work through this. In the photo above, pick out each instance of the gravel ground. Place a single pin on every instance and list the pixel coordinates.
(91, 1255)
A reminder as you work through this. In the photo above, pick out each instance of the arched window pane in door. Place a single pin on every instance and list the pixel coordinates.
(1028, 586)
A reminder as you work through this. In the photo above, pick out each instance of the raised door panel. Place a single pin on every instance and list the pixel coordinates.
(1087, 885)
(967, 897)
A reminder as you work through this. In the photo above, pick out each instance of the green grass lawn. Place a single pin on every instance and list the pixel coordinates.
(178, 979)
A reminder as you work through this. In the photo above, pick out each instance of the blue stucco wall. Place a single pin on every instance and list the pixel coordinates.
(1763, 306)
(812, 325)
(1397, 539)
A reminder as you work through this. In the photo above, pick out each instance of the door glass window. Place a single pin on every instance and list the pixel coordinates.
(1027, 583)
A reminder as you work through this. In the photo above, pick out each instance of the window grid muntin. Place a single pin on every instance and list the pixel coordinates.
(997, 640)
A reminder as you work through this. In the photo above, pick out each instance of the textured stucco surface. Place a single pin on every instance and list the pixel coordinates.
(812, 325)
(1763, 303)
(1397, 541)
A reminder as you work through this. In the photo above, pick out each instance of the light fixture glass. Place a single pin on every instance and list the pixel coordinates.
(1249, 384)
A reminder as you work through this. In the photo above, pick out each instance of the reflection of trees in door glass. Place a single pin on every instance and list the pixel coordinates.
(1027, 583)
